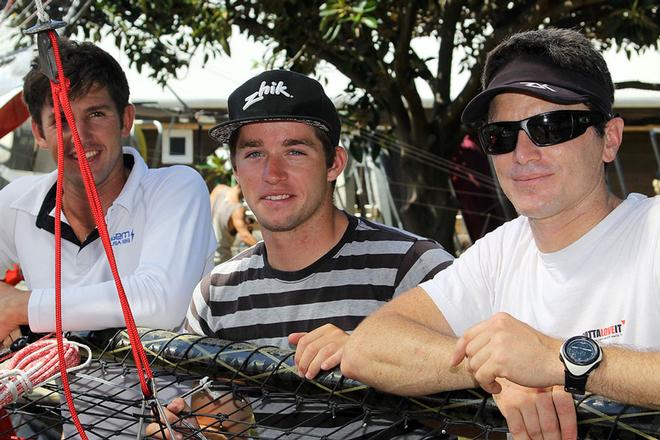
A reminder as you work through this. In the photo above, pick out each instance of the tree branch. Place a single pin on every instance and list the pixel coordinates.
(446, 34)
(404, 77)
(636, 85)
(526, 19)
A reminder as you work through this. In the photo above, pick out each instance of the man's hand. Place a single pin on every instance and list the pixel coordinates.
(172, 412)
(13, 336)
(320, 349)
(213, 418)
(14, 310)
(537, 413)
(503, 347)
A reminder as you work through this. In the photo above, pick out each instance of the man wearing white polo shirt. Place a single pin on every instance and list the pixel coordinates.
(158, 220)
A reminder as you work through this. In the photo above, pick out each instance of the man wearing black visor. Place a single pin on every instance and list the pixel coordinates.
(563, 299)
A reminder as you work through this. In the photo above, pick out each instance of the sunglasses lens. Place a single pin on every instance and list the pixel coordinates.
(551, 128)
(546, 129)
(499, 138)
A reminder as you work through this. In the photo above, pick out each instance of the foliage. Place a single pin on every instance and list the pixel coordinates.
(372, 42)
(216, 169)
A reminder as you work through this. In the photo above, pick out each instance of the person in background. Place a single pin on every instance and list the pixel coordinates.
(229, 220)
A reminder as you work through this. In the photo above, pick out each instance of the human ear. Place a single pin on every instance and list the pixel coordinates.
(37, 132)
(613, 138)
(338, 164)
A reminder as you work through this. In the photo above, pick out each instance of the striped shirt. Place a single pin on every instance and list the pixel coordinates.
(244, 299)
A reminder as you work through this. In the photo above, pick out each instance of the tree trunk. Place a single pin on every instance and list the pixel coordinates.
(423, 197)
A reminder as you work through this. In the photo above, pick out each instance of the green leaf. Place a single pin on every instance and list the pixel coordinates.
(370, 22)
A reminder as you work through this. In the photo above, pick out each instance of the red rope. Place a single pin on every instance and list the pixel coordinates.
(60, 93)
(58, 259)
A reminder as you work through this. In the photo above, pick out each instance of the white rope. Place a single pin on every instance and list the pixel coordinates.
(12, 378)
(36, 13)
(41, 12)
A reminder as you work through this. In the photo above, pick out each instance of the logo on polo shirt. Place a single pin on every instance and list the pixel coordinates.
(275, 88)
(538, 86)
(119, 238)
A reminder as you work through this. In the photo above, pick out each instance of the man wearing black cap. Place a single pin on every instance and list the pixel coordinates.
(319, 270)
(576, 273)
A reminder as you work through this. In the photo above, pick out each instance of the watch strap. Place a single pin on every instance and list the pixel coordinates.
(575, 384)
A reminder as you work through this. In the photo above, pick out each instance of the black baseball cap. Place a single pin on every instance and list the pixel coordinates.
(279, 95)
(537, 76)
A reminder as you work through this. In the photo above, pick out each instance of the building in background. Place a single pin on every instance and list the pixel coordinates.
(172, 122)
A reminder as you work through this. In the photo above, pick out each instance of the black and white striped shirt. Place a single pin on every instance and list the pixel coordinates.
(244, 299)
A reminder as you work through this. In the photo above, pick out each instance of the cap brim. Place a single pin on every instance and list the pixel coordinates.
(223, 131)
(477, 109)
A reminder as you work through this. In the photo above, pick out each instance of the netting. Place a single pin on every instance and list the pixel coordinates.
(254, 392)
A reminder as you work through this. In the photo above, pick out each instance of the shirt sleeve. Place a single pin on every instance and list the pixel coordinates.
(462, 291)
(424, 259)
(177, 252)
(7, 244)
(196, 321)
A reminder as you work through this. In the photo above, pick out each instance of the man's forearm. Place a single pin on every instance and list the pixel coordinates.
(18, 304)
(397, 355)
(628, 376)
(14, 311)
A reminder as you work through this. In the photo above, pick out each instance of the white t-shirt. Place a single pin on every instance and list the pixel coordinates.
(161, 234)
(606, 285)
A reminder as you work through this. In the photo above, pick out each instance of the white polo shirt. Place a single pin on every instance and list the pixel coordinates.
(161, 234)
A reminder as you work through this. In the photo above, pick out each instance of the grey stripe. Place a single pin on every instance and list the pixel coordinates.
(424, 264)
(374, 248)
(253, 262)
(335, 278)
(300, 312)
(198, 303)
(362, 226)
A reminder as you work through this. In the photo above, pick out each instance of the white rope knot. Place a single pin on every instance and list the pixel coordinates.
(42, 15)
(35, 364)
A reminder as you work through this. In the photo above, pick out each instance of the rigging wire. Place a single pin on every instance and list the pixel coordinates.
(439, 189)
(451, 208)
(391, 141)
(433, 161)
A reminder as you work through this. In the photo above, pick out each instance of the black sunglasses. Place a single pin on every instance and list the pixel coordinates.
(544, 129)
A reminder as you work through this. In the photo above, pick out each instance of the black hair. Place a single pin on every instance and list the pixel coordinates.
(566, 48)
(86, 65)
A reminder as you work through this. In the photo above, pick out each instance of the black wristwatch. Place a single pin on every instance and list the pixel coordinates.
(580, 356)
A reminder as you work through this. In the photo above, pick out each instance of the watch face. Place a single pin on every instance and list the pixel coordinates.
(581, 351)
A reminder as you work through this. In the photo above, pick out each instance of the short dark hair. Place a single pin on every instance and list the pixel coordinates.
(565, 48)
(328, 149)
(86, 65)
